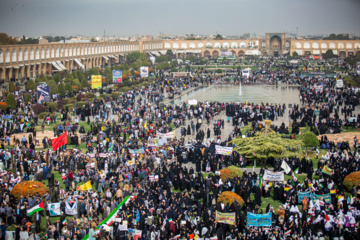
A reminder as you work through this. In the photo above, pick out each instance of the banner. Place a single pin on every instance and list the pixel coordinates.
(166, 135)
(259, 220)
(144, 72)
(301, 196)
(96, 81)
(54, 209)
(223, 150)
(117, 76)
(84, 187)
(137, 151)
(273, 176)
(227, 218)
(153, 142)
(59, 141)
(70, 210)
(327, 170)
(43, 94)
(326, 197)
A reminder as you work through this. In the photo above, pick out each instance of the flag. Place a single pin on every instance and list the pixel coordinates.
(296, 172)
(327, 170)
(285, 166)
(59, 141)
(286, 189)
(288, 233)
(111, 147)
(294, 177)
(64, 222)
(310, 184)
(145, 125)
(36, 208)
(84, 187)
(261, 183)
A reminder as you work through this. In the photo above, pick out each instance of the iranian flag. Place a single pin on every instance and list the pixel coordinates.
(64, 222)
(295, 174)
(36, 208)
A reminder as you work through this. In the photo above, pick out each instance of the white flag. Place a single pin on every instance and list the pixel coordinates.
(286, 167)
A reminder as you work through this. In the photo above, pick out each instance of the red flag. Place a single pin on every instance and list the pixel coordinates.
(59, 141)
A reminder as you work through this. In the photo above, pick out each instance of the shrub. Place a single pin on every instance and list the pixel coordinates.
(10, 101)
(12, 87)
(228, 197)
(61, 89)
(60, 103)
(27, 98)
(38, 108)
(29, 188)
(71, 101)
(90, 95)
(124, 89)
(230, 173)
(3, 105)
(52, 106)
(351, 180)
(53, 87)
(115, 94)
(68, 88)
(120, 85)
(218, 71)
(80, 96)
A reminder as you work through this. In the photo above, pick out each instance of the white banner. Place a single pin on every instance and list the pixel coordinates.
(223, 150)
(70, 210)
(54, 209)
(144, 71)
(166, 135)
(273, 176)
(123, 227)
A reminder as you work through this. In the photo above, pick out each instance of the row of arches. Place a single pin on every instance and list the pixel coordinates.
(325, 45)
(51, 52)
(216, 53)
(234, 44)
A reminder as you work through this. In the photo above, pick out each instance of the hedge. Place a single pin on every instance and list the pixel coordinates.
(351, 180)
(230, 173)
(228, 197)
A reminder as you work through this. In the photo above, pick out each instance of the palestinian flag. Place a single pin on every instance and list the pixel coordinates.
(36, 208)
(64, 222)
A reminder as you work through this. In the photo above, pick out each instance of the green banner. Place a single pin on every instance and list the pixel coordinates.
(326, 197)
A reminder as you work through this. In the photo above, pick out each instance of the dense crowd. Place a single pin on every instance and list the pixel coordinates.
(170, 199)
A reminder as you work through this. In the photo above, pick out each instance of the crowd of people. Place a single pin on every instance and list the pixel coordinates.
(169, 196)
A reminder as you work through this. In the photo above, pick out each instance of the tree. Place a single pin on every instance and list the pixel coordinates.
(30, 85)
(57, 78)
(10, 101)
(12, 87)
(133, 56)
(295, 54)
(169, 53)
(84, 83)
(80, 75)
(61, 89)
(68, 88)
(309, 139)
(219, 37)
(329, 54)
(69, 77)
(53, 87)
(174, 69)
(270, 145)
(27, 98)
(6, 39)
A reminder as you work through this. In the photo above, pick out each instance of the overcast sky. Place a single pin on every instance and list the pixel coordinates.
(142, 17)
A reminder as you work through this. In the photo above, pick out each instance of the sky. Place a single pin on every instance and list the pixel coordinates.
(33, 18)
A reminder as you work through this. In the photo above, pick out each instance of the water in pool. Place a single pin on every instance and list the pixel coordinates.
(251, 93)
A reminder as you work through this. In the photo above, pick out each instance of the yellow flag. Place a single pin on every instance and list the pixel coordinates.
(145, 125)
(86, 186)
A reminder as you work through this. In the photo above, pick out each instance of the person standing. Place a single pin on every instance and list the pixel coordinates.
(37, 222)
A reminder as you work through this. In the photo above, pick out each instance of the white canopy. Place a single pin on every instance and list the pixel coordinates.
(56, 66)
(79, 63)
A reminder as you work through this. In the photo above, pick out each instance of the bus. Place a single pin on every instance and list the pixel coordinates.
(247, 73)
